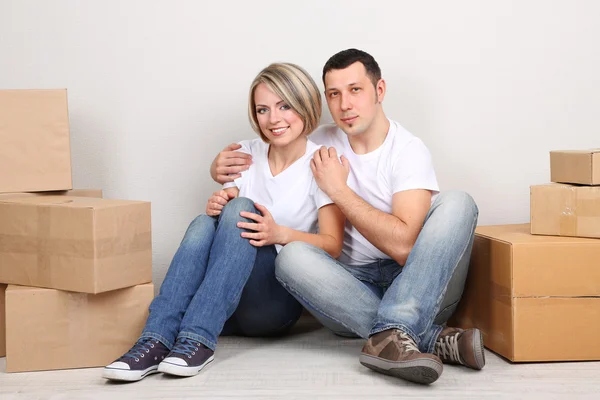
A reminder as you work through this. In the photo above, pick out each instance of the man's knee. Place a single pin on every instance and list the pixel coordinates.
(458, 203)
(290, 259)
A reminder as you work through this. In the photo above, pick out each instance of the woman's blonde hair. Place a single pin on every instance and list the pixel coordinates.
(295, 87)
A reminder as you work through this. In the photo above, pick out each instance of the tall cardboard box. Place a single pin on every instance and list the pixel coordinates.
(52, 329)
(565, 210)
(2, 321)
(535, 298)
(78, 244)
(35, 152)
(575, 166)
(97, 193)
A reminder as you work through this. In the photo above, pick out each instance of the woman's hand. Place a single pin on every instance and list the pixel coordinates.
(266, 231)
(216, 202)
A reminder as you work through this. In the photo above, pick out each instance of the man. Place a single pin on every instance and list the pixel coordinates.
(406, 245)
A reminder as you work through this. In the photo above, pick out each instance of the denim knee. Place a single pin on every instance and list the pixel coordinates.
(198, 229)
(289, 260)
(459, 203)
(233, 208)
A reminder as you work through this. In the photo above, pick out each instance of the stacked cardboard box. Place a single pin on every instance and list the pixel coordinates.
(78, 267)
(534, 289)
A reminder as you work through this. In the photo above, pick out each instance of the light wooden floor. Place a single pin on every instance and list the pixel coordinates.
(311, 364)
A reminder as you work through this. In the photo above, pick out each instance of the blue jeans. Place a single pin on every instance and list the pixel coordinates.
(216, 279)
(417, 298)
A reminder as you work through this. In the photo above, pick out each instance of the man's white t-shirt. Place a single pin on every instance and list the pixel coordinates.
(292, 197)
(402, 162)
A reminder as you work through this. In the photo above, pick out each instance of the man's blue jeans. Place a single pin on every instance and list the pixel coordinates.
(218, 282)
(417, 298)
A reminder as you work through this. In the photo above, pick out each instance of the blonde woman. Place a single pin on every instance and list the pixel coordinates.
(222, 280)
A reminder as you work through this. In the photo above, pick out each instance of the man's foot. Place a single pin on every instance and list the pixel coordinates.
(393, 352)
(187, 358)
(458, 346)
(140, 361)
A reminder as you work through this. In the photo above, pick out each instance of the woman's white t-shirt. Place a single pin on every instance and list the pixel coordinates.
(292, 196)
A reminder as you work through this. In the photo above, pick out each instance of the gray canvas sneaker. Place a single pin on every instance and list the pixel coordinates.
(187, 358)
(140, 361)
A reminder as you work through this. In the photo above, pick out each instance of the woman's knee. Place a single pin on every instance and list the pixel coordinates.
(235, 206)
(199, 228)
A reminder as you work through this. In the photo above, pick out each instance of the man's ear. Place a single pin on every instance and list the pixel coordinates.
(380, 90)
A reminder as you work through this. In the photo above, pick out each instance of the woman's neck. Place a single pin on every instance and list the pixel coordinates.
(280, 158)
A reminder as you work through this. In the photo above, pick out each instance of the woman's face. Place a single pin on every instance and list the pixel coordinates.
(277, 121)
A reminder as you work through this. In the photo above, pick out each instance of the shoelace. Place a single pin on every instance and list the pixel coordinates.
(407, 342)
(140, 349)
(185, 347)
(447, 348)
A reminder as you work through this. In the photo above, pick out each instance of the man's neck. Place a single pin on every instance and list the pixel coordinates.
(371, 139)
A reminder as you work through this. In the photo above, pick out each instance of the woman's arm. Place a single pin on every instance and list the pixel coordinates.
(266, 231)
(331, 231)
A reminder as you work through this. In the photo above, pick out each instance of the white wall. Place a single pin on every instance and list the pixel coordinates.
(156, 88)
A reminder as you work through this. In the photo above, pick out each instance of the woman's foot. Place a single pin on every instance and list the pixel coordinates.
(187, 358)
(140, 361)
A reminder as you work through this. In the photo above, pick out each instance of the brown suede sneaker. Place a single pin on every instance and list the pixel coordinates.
(458, 346)
(393, 352)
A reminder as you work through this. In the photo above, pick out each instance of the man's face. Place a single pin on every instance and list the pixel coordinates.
(352, 99)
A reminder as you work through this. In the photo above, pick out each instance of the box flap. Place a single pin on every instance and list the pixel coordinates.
(69, 201)
(521, 234)
(586, 151)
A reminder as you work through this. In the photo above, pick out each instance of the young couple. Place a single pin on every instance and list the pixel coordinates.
(349, 224)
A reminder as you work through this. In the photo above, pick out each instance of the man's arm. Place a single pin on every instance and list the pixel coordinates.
(228, 164)
(394, 234)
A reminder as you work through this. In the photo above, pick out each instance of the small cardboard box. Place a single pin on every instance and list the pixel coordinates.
(79, 244)
(35, 149)
(535, 298)
(2, 321)
(575, 166)
(75, 192)
(51, 329)
(565, 210)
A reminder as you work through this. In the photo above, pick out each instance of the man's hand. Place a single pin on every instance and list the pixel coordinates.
(329, 173)
(216, 202)
(229, 163)
(266, 230)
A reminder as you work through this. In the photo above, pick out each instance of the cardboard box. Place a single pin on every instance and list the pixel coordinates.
(2, 321)
(34, 141)
(565, 210)
(535, 298)
(575, 166)
(75, 243)
(52, 329)
(75, 192)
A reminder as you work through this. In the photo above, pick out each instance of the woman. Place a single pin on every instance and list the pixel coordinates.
(222, 279)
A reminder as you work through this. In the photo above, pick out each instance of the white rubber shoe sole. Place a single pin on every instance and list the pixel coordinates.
(175, 366)
(126, 375)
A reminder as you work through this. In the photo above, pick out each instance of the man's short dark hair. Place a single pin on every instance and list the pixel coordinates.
(345, 58)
